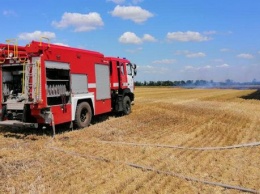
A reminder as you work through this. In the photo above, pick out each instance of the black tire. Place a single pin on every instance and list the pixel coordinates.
(3, 112)
(83, 115)
(126, 105)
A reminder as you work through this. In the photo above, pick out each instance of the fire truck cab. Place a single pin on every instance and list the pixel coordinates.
(46, 84)
(122, 73)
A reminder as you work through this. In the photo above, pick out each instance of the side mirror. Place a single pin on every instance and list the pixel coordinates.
(135, 72)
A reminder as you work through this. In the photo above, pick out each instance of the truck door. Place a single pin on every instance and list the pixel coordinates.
(130, 75)
(122, 75)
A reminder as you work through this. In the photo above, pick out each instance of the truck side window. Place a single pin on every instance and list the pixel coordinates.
(129, 69)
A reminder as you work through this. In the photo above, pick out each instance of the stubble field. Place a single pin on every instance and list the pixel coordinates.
(173, 141)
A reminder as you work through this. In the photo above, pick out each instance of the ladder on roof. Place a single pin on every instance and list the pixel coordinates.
(12, 52)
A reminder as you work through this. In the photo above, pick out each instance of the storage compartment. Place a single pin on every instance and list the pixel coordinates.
(58, 83)
(12, 81)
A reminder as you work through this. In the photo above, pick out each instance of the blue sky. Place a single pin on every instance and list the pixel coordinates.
(167, 39)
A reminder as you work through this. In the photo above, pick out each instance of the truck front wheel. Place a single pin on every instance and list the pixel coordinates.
(126, 105)
(83, 115)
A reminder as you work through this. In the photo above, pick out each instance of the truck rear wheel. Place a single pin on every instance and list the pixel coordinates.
(83, 115)
(126, 105)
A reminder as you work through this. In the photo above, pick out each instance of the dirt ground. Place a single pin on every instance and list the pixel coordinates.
(173, 141)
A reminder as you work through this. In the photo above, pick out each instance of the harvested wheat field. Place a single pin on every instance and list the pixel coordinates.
(174, 141)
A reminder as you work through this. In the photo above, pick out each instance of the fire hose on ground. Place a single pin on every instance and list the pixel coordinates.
(168, 173)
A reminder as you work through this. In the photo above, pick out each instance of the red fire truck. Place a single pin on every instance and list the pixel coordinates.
(43, 84)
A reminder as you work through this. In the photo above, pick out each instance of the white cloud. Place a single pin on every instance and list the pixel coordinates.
(210, 32)
(130, 38)
(9, 13)
(148, 69)
(229, 32)
(224, 50)
(137, 1)
(149, 38)
(206, 67)
(182, 52)
(117, 1)
(196, 55)
(36, 35)
(123, 1)
(191, 68)
(190, 54)
(188, 36)
(81, 22)
(164, 61)
(202, 68)
(245, 56)
(134, 13)
(218, 60)
(135, 50)
(223, 66)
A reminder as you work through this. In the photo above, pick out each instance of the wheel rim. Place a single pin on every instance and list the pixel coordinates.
(127, 107)
(83, 115)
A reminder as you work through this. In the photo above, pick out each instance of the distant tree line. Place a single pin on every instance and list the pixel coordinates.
(196, 83)
(174, 83)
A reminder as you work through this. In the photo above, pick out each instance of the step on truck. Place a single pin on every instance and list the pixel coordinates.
(43, 84)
